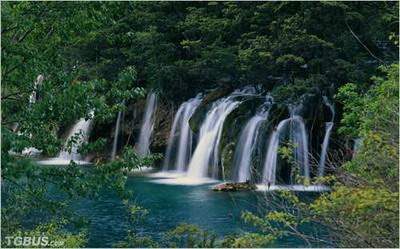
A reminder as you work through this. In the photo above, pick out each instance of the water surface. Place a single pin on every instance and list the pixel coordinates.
(169, 206)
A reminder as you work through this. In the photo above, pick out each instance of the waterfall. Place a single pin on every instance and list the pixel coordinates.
(33, 96)
(298, 136)
(172, 138)
(79, 134)
(116, 135)
(247, 144)
(357, 142)
(269, 174)
(32, 100)
(206, 153)
(325, 143)
(199, 163)
(181, 137)
(300, 140)
(143, 144)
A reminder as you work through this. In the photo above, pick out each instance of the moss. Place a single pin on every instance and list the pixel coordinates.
(233, 125)
(201, 111)
(233, 187)
(227, 155)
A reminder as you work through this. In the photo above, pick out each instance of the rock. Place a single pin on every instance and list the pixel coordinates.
(162, 126)
(201, 111)
(227, 154)
(234, 124)
(233, 187)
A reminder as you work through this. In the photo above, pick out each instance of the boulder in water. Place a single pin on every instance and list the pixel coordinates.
(234, 186)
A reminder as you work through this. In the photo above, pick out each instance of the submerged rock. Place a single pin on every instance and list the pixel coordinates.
(234, 186)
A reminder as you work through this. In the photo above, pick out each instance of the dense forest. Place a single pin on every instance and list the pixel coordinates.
(328, 68)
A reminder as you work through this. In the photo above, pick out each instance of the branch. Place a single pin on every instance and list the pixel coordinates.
(15, 67)
(8, 29)
(24, 35)
(15, 94)
(13, 121)
(362, 44)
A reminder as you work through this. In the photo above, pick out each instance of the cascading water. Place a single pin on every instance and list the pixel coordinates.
(143, 144)
(298, 136)
(79, 134)
(116, 135)
(357, 142)
(300, 140)
(80, 129)
(247, 143)
(181, 137)
(206, 153)
(325, 143)
(32, 100)
(269, 175)
(172, 138)
(33, 96)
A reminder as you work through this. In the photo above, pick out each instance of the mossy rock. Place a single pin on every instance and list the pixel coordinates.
(277, 113)
(199, 115)
(237, 119)
(233, 187)
(227, 155)
(233, 125)
(162, 126)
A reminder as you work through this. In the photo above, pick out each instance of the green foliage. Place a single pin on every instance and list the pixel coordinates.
(365, 216)
(374, 118)
(369, 201)
(56, 237)
(135, 241)
(276, 225)
(353, 107)
(39, 39)
(137, 212)
(93, 147)
(250, 240)
(286, 152)
(26, 190)
(189, 236)
(194, 46)
(288, 61)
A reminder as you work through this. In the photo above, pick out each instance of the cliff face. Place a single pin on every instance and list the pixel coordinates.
(162, 126)
(310, 107)
(131, 121)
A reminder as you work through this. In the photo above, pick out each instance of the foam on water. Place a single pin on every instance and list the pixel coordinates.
(31, 152)
(144, 169)
(191, 181)
(309, 188)
(167, 174)
(58, 161)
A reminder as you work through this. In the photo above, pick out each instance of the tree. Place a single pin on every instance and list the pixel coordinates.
(36, 40)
